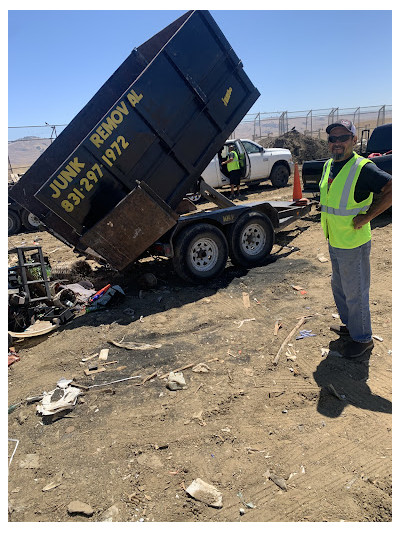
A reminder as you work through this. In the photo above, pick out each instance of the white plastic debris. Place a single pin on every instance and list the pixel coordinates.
(57, 400)
(63, 383)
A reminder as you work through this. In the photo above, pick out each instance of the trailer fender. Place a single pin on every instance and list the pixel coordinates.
(269, 211)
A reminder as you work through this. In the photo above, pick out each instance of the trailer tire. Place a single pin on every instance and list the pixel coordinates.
(280, 176)
(30, 221)
(14, 222)
(200, 253)
(251, 239)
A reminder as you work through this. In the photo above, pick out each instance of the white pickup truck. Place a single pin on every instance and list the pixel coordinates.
(257, 164)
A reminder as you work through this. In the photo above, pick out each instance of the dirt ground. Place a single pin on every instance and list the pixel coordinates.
(129, 450)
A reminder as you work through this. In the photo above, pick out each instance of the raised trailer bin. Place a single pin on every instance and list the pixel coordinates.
(159, 120)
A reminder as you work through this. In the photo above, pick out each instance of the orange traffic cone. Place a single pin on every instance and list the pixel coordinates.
(297, 194)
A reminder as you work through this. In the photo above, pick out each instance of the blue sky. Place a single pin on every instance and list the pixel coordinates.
(299, 60)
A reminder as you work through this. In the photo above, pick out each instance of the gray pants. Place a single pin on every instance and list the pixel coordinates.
(350, 287)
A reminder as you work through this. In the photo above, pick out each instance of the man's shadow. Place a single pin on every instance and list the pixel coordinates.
(344, 382)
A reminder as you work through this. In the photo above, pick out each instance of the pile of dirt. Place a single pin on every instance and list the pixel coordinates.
(302, 147)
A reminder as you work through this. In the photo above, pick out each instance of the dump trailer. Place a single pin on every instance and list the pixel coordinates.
(113, 183)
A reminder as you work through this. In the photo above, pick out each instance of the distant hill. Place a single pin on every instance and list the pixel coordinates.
(23, 153)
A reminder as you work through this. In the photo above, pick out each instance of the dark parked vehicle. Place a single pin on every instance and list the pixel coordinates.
(19, 218)
(113, 183)
(378, 148)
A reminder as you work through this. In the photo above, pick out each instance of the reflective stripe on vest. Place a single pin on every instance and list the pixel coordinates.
(343, 212)
(344, 199)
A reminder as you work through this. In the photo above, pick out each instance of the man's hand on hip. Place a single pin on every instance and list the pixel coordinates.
(360, 220)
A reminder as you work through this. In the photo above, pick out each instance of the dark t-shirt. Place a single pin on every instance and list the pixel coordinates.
(371, 179)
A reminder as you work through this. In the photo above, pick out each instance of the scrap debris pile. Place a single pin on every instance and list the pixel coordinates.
(41, 298)
(302, 147)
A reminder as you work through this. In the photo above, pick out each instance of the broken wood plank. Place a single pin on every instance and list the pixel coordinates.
(147, 378)
(135, 345)
(89, 358)
(246, 299)
(297, 326)
(103, 355)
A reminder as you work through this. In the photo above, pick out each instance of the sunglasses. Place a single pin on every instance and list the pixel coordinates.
(339, 138)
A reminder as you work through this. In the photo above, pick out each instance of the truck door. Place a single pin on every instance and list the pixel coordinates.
(244, 160)
(259, 160)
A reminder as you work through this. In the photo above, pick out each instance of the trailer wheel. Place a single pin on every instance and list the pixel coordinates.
(251, 239)
(280, 176)
(30, 221)
(14, 222)
(200, 253)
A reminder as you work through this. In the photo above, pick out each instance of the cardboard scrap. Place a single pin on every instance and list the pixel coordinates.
(246, 299)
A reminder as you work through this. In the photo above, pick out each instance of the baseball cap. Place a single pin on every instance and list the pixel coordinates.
(345, 123)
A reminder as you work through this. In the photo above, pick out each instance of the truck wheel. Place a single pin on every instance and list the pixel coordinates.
(200, 253)
(30, 221)
(251, 239)
(280, 176)
(14, 222)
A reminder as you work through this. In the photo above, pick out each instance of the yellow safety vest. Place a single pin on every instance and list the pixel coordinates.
(233, 165)
(338, 207)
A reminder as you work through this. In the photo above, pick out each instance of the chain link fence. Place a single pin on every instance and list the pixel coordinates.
(312, 122)
(27, 143)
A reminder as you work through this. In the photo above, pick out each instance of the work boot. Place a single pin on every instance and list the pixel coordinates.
(355, 349)
(340, 330)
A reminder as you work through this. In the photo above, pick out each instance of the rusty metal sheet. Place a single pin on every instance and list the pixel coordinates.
(130, 228)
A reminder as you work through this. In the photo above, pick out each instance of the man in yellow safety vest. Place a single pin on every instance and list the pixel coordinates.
(347, 188)
(233, 167)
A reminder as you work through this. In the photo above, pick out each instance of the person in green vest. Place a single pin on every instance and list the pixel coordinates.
(233, 167)
(347, 188)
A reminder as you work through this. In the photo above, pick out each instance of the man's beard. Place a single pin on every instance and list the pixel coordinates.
(337, 156)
